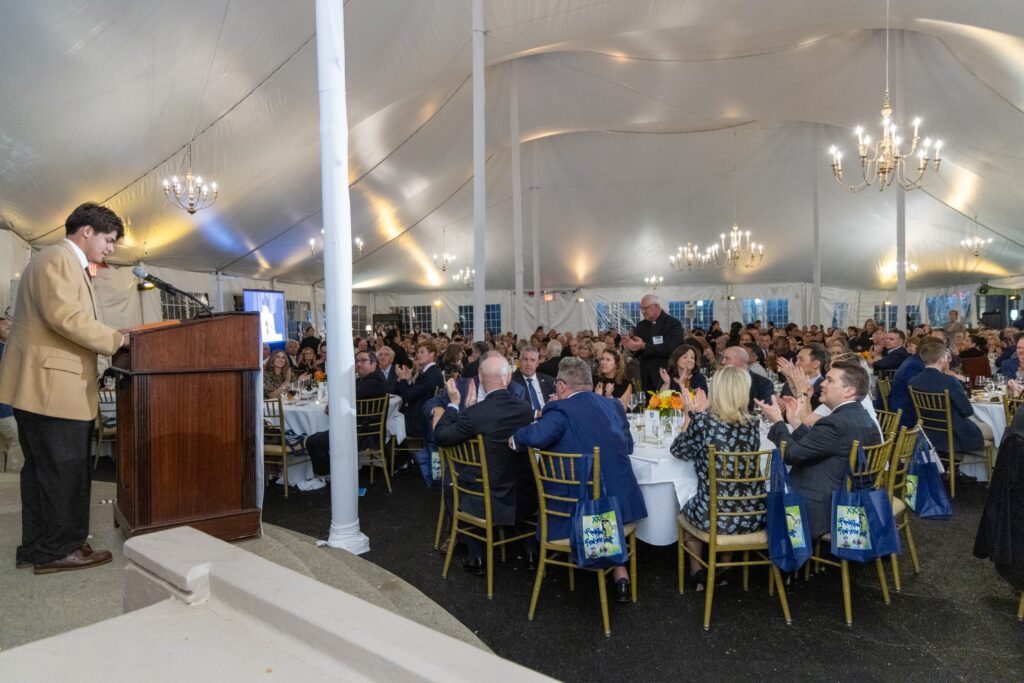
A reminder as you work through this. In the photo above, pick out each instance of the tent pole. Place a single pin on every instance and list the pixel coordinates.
(535, 244)
(517, 207)
(901, 259)
(815, 312)
(219, 293)
(479, 172)
(330, 52)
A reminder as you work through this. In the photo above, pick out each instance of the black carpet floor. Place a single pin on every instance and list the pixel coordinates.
(954, 621)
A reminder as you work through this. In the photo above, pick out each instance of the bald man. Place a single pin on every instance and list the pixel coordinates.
(497, 416)
(654, 340)
(761, 388)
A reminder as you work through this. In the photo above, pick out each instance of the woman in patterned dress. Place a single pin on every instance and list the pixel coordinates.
(724, 423)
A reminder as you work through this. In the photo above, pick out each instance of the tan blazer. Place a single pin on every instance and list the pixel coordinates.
(49, 364)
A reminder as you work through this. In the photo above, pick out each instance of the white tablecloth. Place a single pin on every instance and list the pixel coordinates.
(991, 414)
(666, 483)
(307, 417)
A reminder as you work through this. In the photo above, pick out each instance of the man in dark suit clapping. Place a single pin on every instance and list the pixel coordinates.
(657, 336)
(496, 417)
(761, 388)
(820, 454)
(386, 363)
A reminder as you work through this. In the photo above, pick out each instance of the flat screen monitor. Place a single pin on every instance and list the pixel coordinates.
(270, 305)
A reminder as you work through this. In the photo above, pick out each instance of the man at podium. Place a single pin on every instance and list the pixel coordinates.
(48, 375)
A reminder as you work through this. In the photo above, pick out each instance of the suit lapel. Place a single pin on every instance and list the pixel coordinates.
(85, 274)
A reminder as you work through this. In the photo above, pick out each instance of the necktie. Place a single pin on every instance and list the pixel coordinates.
(533, 392)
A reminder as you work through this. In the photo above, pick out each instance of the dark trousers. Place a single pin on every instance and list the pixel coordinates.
(55, 486)
(319, 448)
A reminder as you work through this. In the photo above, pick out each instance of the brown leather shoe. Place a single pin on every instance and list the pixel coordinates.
(83, 558)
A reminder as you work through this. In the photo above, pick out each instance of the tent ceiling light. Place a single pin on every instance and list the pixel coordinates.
(465, 276)
(653, 281)
(736, 249)
(690, 257)
(975, 244)
(192, 194)
(886, 160)
(888, 272)
(444, 259)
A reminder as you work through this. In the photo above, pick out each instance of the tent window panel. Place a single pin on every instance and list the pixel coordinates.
(940, 306)
(701, 315)
(360, 320)
(492, 318)
(766, 310)
(174, 306)
(839, 316)
(620, 315)
(298, 315)
(414, 318)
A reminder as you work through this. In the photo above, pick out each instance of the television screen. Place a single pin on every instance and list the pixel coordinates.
(270, 305)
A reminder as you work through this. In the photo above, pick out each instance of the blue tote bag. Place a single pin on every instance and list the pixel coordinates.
(925, 493)
(597, 539)
(789, 533)
(863, 527)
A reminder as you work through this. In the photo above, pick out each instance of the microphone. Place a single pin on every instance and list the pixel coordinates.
(143, 274)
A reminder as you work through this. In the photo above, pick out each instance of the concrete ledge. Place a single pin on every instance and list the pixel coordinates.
(182, 583)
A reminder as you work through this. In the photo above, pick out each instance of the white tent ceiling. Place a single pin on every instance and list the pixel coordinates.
(645, 124)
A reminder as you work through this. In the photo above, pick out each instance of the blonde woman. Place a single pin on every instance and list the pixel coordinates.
(724, 423)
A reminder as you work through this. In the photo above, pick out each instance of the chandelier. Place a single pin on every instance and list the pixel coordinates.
(735, 249)
(888, 272)
(690, 257)
(465, 276)
(974, 244)
(318, 253)
(886, 160)
(653, 281)
(445, 259)
(192, 194)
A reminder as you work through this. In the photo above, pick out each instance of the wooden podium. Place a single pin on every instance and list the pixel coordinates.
(186, 427)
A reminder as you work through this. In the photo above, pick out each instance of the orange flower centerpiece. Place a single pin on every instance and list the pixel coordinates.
(320, 376)
(665, 402)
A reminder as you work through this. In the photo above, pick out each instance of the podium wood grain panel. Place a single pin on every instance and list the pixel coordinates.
(187, 428)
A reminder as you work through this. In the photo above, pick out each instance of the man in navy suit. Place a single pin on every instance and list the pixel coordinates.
(967, 433)
(575, 423)
(416, 387)
(537, 388)
(1010, 366)
(761, 388)
(820, 454)
(496, 417)
(899, 393)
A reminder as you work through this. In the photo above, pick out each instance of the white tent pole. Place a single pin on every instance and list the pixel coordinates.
(535, 236)
(479, 172)
(219, 293)
(330, 55)
(901, 258)
(517, 207)
(816, 218)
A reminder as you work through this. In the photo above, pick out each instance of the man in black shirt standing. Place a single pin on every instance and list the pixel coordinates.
(656, 337)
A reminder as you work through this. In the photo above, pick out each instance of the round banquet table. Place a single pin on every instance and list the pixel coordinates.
(666, 483)
(991, 414)
(306, 417)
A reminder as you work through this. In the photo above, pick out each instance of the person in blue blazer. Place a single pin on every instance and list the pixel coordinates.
(967, 435)
(576, 422)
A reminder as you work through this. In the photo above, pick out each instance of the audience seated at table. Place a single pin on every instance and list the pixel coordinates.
(682, 372)
(611, 377)
(370, 383)
(968, 434)
(726, 424)
(291, 348)
(277, 374)
(575, 423)
(496, 416)
(307, 363)
(386, 365)
(899, 393)
(1010, 367)
(820, 454)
